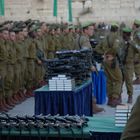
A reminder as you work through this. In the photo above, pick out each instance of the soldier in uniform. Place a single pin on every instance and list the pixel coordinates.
(31, 60)
(136, 28)
(132, 128)
(51, 42)
(109, 40)
(126, 51)
(114, 77)
(39, 71)
(83, 42)
(3, 68)
(19, 79)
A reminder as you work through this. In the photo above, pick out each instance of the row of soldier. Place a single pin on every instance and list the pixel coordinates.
(23, 46)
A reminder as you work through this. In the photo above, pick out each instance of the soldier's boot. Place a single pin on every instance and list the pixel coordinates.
(17, 98)
(130, 99)
(29, 93)
(13, 100)
(95, 107)
(21, 96)
(8, 101)
(6, 105)
(114, 102)
(2, 107)
(136, 81)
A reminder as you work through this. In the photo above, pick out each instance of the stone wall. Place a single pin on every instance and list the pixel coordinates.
(102, 10)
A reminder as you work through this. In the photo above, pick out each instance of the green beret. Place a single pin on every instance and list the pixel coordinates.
(16, 30)
(114, 24)
(87, 24)
(127, 30)
(71, 27)
(34, 27)
(137, 22)
(3, 28)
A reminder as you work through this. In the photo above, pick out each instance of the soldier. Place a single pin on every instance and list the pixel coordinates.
(10, 81)
(126, 51)
(83, 42)
(132, 128)
(19, 79)
(136, 28)
(114, 77)
(51, 43)
(39, 71)
(3, 69)
(109, 40)
(58, 38)
(31, 60)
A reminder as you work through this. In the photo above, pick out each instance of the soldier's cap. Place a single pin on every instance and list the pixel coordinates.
(34, 28)
(137, 22)
(110, 51)
(114, 24)
(64, 27)
(85, 25)
(4, 29)
(16, 30)
(28, 21)
(71, 27)
(127, 30)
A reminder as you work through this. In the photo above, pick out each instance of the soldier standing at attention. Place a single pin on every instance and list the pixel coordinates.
(3, 68)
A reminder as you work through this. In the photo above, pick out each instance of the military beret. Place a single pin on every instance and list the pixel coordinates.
(127, 30)
(137, 22)
(71, 27)
(16, 30)
(3, 29)
(115, 24)
(34, 27)
(84, 25)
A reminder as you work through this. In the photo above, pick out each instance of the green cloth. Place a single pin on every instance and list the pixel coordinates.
(127, 30)
(137, 22)
(1, 7)
(55, 8)
(86, 24)
(70, 10)
(95, 124)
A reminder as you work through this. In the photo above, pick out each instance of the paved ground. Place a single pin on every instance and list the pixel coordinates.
(27, 107)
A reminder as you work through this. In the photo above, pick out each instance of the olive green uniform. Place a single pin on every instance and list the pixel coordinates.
(107, 43)
(114, 74)
(39, 69)
(82, 41)
(11, 61)
(3, 67)
(31, 60)
(114, 80)
(132, 128)
(51, 47)
(127, 53)
(137, 56)
(18, 68)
